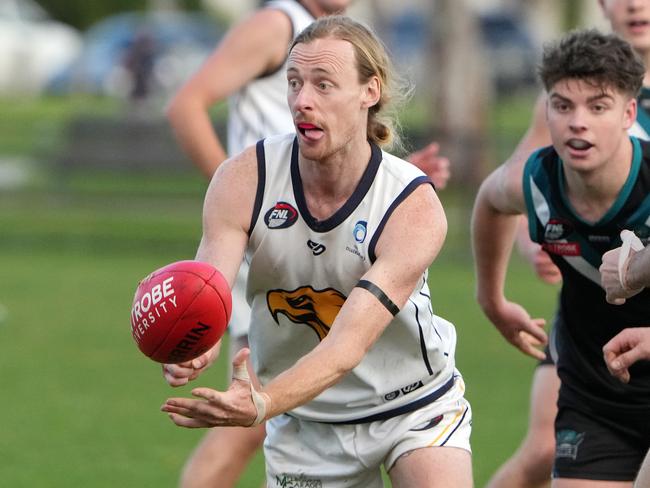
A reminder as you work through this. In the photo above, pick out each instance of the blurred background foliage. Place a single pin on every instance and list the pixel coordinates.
(82, 13)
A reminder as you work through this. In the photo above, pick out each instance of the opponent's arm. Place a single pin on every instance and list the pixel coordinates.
(535, 137)
(638, 270)
(256, 46)
(403, 253)
(497, 210)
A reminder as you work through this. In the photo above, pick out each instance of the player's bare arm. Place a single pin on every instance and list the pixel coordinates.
(404, 252)
(497, 210)
(226, 219)
(254, 47)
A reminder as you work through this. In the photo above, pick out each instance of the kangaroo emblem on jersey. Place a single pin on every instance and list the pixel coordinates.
(314, 308)
(281, 216)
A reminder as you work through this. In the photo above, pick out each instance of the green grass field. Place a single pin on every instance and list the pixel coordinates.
(80, 403)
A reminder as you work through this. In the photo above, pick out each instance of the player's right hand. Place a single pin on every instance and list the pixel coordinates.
(626, 348)
(182, 373)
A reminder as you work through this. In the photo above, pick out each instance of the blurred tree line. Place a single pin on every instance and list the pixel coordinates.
(82, 13)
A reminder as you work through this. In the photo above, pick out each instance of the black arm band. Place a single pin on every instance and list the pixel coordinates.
(380, 295)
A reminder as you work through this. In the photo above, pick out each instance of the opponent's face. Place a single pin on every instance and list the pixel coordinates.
(588, 125)
(328, 102)
(631, 20)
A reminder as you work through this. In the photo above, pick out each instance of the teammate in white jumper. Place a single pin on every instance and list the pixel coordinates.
(248, 69)
(356, 371)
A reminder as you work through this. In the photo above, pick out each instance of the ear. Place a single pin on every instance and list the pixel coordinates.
(630, 113)
(371, 93)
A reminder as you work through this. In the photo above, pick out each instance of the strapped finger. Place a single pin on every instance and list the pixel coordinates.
(240, 372)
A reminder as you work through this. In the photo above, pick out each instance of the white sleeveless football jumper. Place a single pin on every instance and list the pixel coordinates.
(258, 110)
(301, 271)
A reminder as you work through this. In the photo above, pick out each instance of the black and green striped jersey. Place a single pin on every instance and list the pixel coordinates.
(585, 320)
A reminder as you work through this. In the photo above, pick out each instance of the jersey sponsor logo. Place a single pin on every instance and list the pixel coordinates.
(598, 238)
(316, 309)
(316, 247)
(360, 231)
(567, 443)
(287, 480)
(556, 229)
(281, 216)
(562, 248)
(404, 390)
(356, 252)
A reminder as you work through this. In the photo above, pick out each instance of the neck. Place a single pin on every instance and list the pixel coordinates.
(328, 183)
(592, 193)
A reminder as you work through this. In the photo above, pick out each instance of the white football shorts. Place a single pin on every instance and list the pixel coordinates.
(302, 453)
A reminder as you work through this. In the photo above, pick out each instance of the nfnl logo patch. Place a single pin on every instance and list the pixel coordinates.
(557, 229)
(281, 216)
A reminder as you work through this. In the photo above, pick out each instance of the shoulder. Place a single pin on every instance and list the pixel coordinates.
(400, 168)
(267, 26)
(236, 174)
(294, 11)
(540, 163)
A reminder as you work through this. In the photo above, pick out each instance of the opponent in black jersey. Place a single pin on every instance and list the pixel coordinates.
(579, 194)
(530, 465)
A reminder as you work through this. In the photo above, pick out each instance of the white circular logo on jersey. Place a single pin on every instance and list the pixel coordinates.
(360, 231)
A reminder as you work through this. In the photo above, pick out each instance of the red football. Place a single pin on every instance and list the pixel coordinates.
(180, 311)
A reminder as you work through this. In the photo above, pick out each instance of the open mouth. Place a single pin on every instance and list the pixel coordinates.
(310, 131)
(637, 24)
(579, 144)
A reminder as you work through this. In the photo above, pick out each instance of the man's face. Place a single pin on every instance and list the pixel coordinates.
(328, 103)
(631, 20)
(588, 124)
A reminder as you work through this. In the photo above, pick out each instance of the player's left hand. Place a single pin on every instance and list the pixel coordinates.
(235, 407)
(434, 166)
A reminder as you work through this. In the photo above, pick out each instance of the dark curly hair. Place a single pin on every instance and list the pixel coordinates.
(603, 60)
